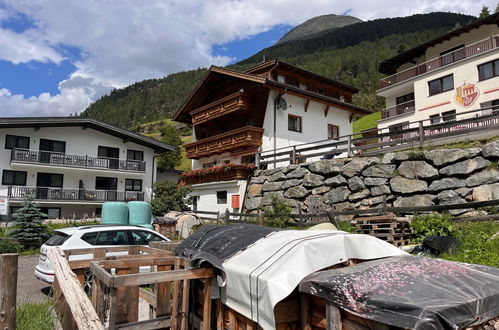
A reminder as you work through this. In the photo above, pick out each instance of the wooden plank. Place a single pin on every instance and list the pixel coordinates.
(207, 304)
(157, 323)
(333, 318)
(8, 287)
(305, 311)
(175, 300)
(113, 310)
(174, 275)
(79, 304)
(140, 261)
(99, 272)
(220, 314)
(98, 297)
(148, 296)
(163, 299)
(184, 324)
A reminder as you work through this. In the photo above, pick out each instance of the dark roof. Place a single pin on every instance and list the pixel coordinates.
(93, 123)
(268, 65)
(391, 65)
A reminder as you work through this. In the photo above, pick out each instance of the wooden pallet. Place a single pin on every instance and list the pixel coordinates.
(385, 227)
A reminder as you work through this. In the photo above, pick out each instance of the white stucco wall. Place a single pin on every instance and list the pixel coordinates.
(78, 142)
(206, 193)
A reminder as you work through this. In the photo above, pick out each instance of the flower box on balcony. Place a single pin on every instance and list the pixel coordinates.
(225, 172)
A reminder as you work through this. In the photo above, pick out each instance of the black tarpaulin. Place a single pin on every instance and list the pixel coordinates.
(411, 292)
(214, 244)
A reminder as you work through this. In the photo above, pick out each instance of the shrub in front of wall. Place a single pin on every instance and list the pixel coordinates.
(278, 213)
(8, 246)
(431, 225)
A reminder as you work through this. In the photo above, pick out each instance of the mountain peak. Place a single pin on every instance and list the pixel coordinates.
(318, 24)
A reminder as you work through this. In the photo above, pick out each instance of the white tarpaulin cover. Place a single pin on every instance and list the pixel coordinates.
(267, 271)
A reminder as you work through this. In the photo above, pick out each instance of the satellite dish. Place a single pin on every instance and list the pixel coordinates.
(282, 104)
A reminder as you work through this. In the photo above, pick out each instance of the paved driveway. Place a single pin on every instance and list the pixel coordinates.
(29, 288)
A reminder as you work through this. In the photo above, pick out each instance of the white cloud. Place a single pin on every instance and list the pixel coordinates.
(128, 40)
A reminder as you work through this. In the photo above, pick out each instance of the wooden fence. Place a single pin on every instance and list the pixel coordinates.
(301, 219)
(8, 287)
(413, 134)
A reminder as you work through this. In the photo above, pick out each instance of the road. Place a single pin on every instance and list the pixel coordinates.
(29, 288)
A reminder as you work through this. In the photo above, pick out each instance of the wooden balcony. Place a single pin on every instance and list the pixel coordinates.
(236, 172)
(239, 101)
(441, 61)
(399, 109)
(240, 138)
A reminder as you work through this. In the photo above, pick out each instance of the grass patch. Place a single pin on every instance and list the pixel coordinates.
(366, 122)
(476, 244)
(186, 164)
(34, 316)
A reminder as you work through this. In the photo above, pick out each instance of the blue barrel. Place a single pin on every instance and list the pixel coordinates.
(139, 214)
(114, 213)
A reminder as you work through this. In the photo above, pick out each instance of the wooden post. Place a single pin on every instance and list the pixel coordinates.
(98, 297)
(300, 215)
(227, 216)
(163, 298)
(176, 289)
(333, 318)
(305, 311)
(184, 324)
(220, 314)
(384, 204)
(207, 304)
(261, 218)
(421, 135)
(293, 155)
(8, 287)
(218, 216)
(257, 160)
(349, 147)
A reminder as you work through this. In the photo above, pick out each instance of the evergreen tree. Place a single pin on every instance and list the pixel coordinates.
(485, 12)
(28, 226)
(171, 159)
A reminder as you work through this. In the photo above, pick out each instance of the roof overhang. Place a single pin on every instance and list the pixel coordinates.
(126, 135)
(391, 65)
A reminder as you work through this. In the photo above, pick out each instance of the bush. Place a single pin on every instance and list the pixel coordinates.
(278, 213)
(476, 244)
(431, 225)
(168, 196)
(347, 226)
(28, 226)
(8, 246)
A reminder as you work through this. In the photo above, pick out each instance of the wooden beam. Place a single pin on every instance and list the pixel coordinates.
(333, 318)
(326, 110)
(351, 117)
(8, 285)
(306, 105)
(80, 306)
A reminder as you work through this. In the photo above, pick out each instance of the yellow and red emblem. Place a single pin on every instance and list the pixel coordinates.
(466, 95)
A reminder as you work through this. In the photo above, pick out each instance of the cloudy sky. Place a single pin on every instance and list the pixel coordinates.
(57, 56)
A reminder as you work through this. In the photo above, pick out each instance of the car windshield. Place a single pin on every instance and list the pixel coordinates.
(57, 240)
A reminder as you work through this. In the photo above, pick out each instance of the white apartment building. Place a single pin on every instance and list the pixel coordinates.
(70, 166)
(452, 74)
(269, 106)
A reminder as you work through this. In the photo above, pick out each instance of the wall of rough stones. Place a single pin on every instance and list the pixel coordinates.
(407, 178)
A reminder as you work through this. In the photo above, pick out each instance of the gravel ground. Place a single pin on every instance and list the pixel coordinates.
(29, 288)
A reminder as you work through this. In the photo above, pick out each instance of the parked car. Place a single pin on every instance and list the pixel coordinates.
(92, 237)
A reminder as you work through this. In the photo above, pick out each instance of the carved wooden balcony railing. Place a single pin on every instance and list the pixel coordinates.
(240, 138)
(239, 101)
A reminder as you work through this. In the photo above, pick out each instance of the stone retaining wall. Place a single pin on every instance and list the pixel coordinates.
(407, 178)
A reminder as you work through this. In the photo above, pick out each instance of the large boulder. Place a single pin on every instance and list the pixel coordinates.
(446, 183)
(448, 197)
(380, 171)
(313, 180)
(357, 165)
(271, 186)
(417, 170)
(254, 190)
(290, 168)
(337, 195)
(483, 177)
(291, 183)
(407, 186)
(259, 179)
(335, 181)
(278, 176)
(380, 190)
(491, 150)
(252, 203)
(297, 173)
(388, 158)
(356, 184)
(465, 167)
(296, 192)
(320, 190)
(486, 192)
(359, 195)
(375, 181)
(326, 167)
(441, 157)
(417, 200)
(267, 197)
(372, 201)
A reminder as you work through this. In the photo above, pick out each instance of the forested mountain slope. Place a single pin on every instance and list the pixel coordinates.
(349, 54)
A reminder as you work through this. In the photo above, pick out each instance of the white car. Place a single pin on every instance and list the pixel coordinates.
(91, 237)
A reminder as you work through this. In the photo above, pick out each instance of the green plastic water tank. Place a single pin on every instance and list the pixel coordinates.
(114, 213)
(139, 214)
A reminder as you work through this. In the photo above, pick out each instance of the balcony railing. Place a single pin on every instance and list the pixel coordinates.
(217, 173)
(77, 195)
(61, 159)
(399, 109)
(235, 102)
(441, 61)
(241, 138)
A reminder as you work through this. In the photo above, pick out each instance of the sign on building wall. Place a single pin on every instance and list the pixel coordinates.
(466, 95)
(4, 206)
